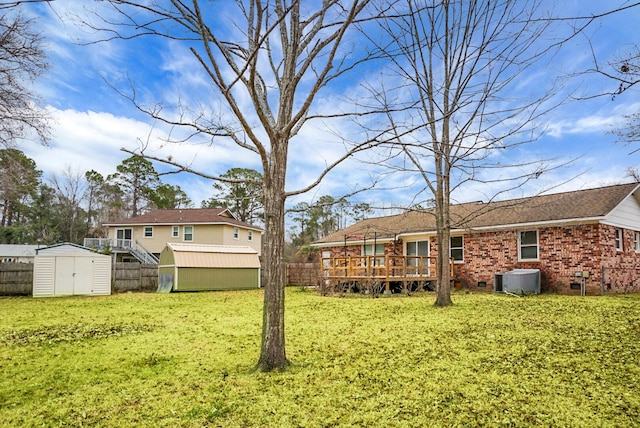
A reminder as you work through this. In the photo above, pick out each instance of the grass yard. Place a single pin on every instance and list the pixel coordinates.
(186, 360)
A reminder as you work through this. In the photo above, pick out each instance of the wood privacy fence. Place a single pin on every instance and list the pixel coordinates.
(16, 279)
(134, 277)
(303, 274)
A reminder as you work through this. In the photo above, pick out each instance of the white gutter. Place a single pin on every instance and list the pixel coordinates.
(477, 229)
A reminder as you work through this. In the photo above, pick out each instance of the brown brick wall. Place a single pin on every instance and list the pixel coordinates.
(621, 268)
(563, 251)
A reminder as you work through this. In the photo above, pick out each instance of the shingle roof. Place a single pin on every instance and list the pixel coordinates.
(184, 216)
(560, 207)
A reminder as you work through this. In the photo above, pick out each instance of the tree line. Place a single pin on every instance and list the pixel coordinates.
(73, 205)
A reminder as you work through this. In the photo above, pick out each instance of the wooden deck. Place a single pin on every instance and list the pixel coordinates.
(380, 269)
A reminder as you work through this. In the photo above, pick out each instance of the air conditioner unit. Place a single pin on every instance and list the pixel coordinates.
(518, 281)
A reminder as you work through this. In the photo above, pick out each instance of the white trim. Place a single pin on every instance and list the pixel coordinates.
(128, 225)
(512, 226)
(184, 233)
(519, 236)
(619, 248)
(536, 224)
(462, 248)
(352, 242)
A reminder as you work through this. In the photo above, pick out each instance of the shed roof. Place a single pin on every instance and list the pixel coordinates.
(213, 256)
(581, 205)
(67, 248)
(184, 216)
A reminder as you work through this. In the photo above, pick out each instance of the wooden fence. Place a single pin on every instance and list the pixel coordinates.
(134, 277)
(16, 279)
(303, 274)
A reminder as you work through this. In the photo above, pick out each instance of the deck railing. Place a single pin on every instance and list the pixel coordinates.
(102, 244)
(387, 268)
(122, 245)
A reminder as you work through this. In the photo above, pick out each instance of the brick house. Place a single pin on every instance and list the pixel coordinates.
(581, 240)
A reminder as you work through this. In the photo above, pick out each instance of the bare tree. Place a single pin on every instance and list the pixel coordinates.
(15, 4)
(69, 188)
(279, 56)
(622, 71)
(22, 59)
(625, 71)
(456, 98)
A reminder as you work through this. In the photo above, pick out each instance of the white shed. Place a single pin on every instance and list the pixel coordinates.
(70, 269)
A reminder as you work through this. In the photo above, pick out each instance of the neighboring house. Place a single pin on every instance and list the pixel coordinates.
(586, 240)
(148, 234)
(10, 253)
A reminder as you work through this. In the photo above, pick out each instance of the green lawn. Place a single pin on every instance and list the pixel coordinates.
(186, 360)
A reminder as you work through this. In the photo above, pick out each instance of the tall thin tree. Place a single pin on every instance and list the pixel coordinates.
(456, 98)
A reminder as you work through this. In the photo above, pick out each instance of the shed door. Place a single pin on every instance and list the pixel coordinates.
(64, 276)
(83, 280)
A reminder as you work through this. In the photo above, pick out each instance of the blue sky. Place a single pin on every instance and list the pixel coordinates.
(92, 122)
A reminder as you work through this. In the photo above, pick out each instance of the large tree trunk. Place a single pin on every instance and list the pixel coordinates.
(272, 352)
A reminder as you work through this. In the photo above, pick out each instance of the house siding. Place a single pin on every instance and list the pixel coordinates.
(219, 234)
(200, 279)
(625, 215)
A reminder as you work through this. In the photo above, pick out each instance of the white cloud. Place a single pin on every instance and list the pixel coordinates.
(86, 140)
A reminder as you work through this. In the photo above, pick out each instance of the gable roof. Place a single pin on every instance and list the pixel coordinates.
(67, 248)
(184, 216)
(213, 256)
(590, 205)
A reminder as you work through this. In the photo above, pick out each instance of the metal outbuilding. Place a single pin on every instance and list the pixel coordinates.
(200, 267)
(69, 269)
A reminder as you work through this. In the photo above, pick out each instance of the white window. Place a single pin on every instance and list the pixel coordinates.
(250, 235)
(619, 239)
(236, 233)
(188, 233)
(528, 245)
(175, 231)
(148, 232)
(124, 238)
(457, 248)
(367, 250)
(417, 249)
(636, 241)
